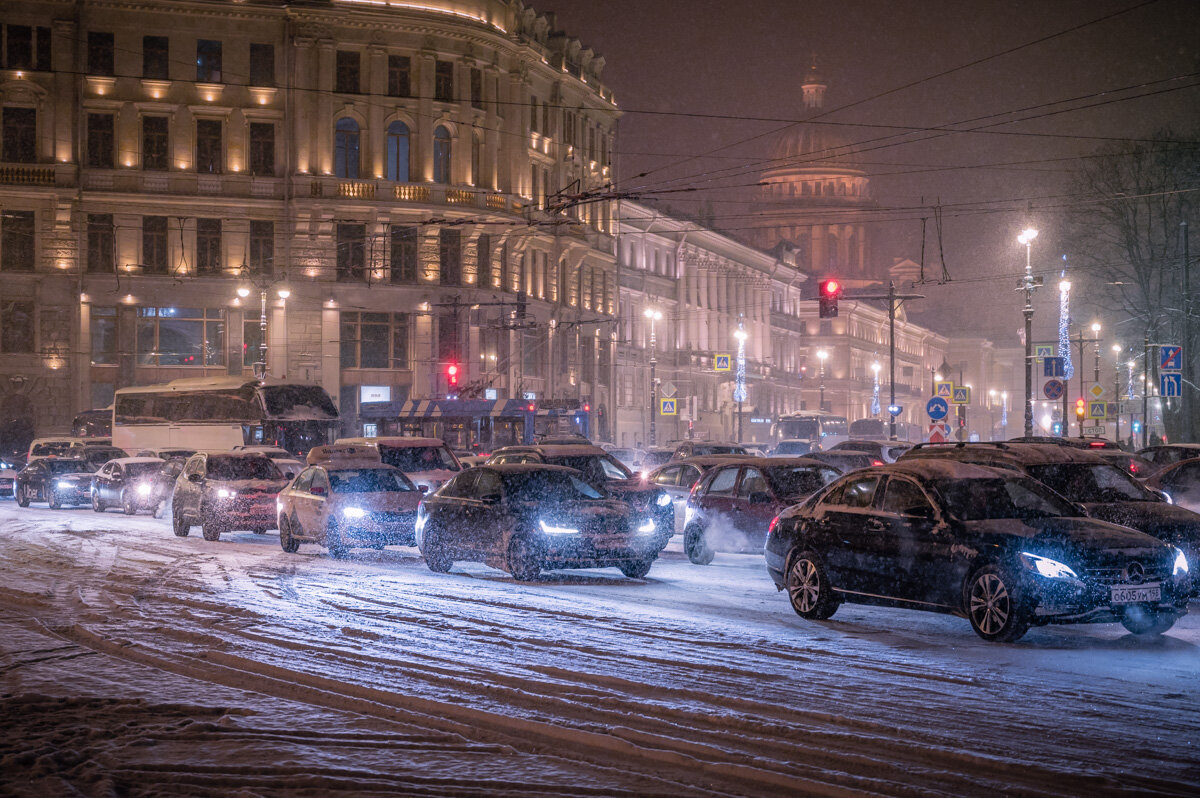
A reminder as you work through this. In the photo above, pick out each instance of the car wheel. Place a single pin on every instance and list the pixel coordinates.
(995, 606)
(22, 496)
(695, 546)
(1144, 622)
(523, 559)
(434, 550)
(334, 541)
(808, 587)
(179, 525)
(259, 530)
(289, 543)
(52, 499)
(127, 503)
(636, 569)
(211, 528)
(97, 505)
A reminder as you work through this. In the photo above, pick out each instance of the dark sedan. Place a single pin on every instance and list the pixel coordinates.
(988, 544)
(732, 505)
(524, 518)
(55, 481)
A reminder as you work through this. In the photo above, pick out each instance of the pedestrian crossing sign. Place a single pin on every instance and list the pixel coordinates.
(961, 396)
(944, 390)
(668, 407)
(721, 363)
(1097, 409)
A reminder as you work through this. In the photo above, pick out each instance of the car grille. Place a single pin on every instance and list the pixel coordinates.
(389, 517)
(1120, 576)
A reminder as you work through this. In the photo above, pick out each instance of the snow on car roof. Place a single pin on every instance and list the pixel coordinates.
(398, 441)
(128, 460)
(1016, 453)
(937, 468)
(344, 455)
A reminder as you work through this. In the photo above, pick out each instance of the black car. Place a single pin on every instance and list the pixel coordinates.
(524, 518)
(131, 483)
(600, 468)
(1088, 478)
(989, 544)
(56, 481)
(1169, 454)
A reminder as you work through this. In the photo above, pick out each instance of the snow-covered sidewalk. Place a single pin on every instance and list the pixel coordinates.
(136, 662)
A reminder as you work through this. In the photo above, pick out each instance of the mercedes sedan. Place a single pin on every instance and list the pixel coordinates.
(988, 544)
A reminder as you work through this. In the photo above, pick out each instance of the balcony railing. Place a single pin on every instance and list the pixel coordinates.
(26, 175)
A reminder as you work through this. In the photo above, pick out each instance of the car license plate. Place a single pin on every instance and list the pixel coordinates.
(1132, 594)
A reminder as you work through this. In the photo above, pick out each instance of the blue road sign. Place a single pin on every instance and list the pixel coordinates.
(1054, 367)
(1170, 358)
(1053, 389)
(937, 408)
(1170, 384)
(962, 395)
(668, 407)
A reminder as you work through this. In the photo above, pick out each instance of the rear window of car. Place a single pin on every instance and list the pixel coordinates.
(713, 448)
(418, 458)
(593, 467)
(369, 480)
(799, 480)
(242, 468)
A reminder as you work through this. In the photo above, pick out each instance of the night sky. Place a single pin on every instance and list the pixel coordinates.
(674, 65)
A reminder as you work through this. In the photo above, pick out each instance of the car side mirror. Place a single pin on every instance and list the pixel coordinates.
(423, 488)
(760, 497)
(195, 477)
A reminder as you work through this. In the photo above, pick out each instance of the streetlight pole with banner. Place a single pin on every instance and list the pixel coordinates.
(264, 283)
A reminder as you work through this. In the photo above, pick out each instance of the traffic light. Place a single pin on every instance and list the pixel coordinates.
(452, 375)
(531, 407)
(1080, 409)
(828, 293)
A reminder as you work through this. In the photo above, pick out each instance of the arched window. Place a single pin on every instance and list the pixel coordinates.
(345, 148)
(441, 155)
(397, 152)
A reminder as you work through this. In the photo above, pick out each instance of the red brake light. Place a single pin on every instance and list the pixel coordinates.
(876, 462)
(1097, 444)
(1133, 469)
(774, 523)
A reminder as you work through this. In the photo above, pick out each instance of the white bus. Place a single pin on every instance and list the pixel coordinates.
(822, 430)
(223, 412)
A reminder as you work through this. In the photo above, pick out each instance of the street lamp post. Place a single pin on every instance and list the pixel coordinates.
(263, 283)
(739, 385)
(653, 315)
(1028, 284)
(821, 355)
(1116, 349)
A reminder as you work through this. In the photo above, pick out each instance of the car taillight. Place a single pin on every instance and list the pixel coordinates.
(1133, 469)
(1097, 444)
(774, 523)
(876, 462)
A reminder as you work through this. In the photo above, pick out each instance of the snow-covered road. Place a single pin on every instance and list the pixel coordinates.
(138, 663)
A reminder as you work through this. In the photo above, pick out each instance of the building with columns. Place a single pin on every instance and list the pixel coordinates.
(398, 165)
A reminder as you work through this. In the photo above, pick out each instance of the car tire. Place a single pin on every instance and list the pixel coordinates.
(286, 541)
(434, 550)
(334, 541)
(128, 504)
(995, 605)
(636, 569)
(97, 505)
(809, 590)
(1144, 622)
(696, 548)
(522, 559)
(260, 530)
(52, 499)
(180, 525)
(211, 529)
(22, 496)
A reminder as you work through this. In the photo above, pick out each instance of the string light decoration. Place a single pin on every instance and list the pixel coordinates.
(739, 385)
(1064, 323)
(875, 393)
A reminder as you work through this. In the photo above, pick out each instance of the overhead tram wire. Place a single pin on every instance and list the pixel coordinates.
(927, 79)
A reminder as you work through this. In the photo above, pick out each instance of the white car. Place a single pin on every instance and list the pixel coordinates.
(428, 462)
(345, 498)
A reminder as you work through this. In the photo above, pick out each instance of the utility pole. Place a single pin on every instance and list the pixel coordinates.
(1189, 427)
(1146, 391)
(1029, 284)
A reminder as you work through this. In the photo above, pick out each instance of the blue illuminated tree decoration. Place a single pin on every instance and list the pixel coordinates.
(739, 385)
(1064, 323)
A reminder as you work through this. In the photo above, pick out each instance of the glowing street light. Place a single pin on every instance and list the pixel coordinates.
(654, 315)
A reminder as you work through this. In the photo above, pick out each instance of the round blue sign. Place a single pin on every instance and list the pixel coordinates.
(1053, 389)
(937, 408)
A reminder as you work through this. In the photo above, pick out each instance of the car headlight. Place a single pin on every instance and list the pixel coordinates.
(663, 500)
(552, 529)
(647, 527)
(1051, 569)
(144, 489)
(1181, 564)
(64, 484)
(226, 493)
(353, 512)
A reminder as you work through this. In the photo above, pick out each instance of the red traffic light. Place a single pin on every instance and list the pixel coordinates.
(452, 373)
(830, 288)
(587, 408)
(531, 407)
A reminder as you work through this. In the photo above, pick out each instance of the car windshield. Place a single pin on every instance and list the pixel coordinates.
(717, 448)
(242, 468)
(549, 487)
(981, 499)
(69, 466)
(799, 480)
(595, 468)
(1086, 482)
(135, 470)
(368, 480)
(418, 458)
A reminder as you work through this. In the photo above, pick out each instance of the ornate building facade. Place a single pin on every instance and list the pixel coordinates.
(397, 165)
